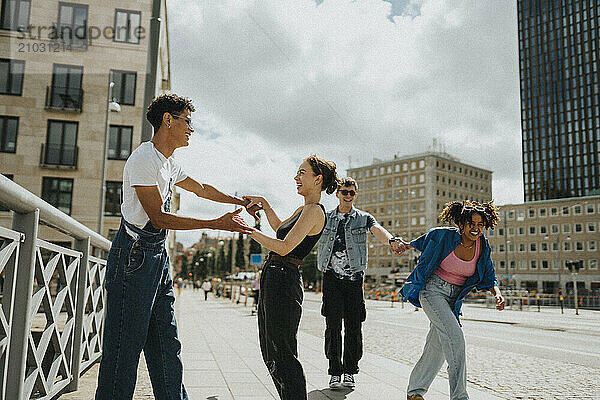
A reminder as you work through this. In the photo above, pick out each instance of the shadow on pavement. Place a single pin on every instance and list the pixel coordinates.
(324, 394)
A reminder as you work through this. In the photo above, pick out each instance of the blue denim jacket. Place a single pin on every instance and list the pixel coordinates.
(356, 239)
(434, 246)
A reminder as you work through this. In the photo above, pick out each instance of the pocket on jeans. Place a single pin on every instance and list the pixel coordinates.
(293, 287)
(112, 265)
(135, 260)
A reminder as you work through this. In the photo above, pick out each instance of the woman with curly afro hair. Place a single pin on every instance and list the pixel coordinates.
(453, 262)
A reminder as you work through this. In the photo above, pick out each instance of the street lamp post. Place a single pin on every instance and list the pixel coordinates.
(110, 106)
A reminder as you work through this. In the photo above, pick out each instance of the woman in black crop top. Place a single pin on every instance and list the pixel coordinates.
(281, 290)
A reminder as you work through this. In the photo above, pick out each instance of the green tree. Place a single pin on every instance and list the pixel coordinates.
(221, 260)
(185, 264)
(239, 252)
(229, 257)
(255, 247)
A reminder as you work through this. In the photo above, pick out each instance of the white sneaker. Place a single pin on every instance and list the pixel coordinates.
(335, 382)
(349, 381)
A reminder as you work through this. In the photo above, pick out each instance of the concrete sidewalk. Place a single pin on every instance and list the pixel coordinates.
(222, 359)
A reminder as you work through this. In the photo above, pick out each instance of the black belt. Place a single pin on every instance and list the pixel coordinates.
(274, 257)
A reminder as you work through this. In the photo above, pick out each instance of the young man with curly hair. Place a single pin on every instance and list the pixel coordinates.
(139, 304)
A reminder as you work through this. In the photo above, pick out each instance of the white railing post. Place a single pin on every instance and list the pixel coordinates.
(27, 224)
(83, 246)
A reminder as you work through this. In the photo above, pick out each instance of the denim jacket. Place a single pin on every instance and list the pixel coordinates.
(356, 239)
(434, 246)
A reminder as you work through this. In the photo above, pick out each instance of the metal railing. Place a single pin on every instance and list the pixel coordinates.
(52, 308)
(64, 98)
(59, 156)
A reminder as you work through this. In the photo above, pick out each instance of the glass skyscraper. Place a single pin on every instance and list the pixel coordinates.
(560, 118)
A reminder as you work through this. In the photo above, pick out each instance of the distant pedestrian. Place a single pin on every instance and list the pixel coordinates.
(281, 289)
(343, 259)
(255, 287)
(207, 287)
(139, 304)
(453, 262)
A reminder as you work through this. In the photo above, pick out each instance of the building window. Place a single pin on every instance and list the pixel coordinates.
(501, 248)
(72, 24)
(65, 92)
(522, 264)
(577, 210)
(578, 228)
(119, 142)
(112, 200)
(566, 228)
(590, 209)
(543, 246)
(8, 134)
(543, 230)
(521, 215)
(532, 213)
(533, 247)
(554, 228)
(521, 247)
(593, 264)
(15, 14)
(61, 143)
(58, 192)
(127, 26)
(567, 246)
(11, 77)
(532, 230)
(542, 212)
(554, 211)
(591, 227)
(565, 211)
(544, 264)
(592, 245)
(521, 231)
(511, 214)
(11, 177)
(533, 264)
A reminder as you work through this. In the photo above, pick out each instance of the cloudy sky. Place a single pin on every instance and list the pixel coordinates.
(274, 81)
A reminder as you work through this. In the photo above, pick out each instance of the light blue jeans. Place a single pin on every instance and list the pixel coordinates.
(445, 340)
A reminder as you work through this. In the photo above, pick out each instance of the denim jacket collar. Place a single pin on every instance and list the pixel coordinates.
(351, 213)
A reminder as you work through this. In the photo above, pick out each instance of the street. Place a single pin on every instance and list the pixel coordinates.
(516, 354)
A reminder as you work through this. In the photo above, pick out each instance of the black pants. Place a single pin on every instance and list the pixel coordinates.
(343, 300)
(206, 295)
(279, 311)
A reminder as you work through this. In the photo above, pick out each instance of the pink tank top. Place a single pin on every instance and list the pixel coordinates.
(456, 271)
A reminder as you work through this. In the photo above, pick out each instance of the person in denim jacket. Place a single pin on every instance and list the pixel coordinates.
(343, 259)
(453, 262)
(139, 303)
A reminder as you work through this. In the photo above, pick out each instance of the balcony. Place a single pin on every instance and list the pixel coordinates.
(64, 98)
(57, 156)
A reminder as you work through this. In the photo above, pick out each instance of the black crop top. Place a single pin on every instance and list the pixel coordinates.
(307, 244)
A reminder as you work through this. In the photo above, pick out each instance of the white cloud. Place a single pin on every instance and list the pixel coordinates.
(277, 80)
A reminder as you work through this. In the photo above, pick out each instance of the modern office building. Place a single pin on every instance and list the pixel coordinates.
(536, 239)
(560, 109)
(406, 195)
(56, 62)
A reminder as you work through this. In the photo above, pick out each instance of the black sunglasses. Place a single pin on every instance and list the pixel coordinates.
(347, 192)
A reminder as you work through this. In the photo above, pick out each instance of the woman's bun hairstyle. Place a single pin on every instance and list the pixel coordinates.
(325, 169)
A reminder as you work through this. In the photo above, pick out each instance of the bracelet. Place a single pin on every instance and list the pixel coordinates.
(393, 239)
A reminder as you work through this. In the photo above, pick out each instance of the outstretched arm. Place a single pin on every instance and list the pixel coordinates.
(152, 203)
(311, 218)
(209, 192)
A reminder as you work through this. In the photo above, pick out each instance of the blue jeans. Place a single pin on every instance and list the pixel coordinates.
(445, 340)
(139, 316)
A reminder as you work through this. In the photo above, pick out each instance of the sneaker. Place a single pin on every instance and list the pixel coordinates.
(335, 382)
(415, 396)
(349, 380)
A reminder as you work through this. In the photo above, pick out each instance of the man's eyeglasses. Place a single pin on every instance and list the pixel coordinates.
(469, 207)
(188, 122)
(347, 192)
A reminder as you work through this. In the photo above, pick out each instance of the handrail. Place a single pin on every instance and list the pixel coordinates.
(23, 201)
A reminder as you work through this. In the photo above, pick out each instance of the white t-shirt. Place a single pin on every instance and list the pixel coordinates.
(147, 166)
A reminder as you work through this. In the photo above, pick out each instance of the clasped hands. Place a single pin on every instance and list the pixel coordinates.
(399, 246)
